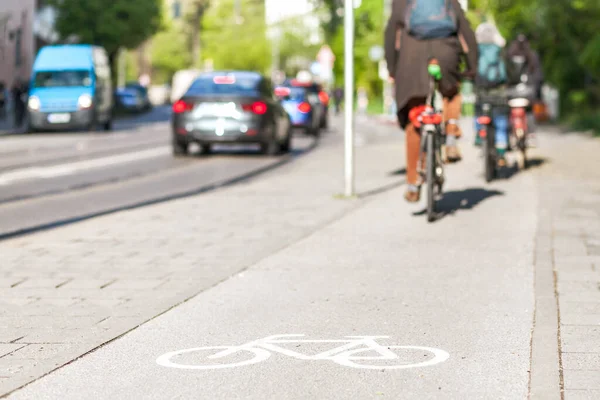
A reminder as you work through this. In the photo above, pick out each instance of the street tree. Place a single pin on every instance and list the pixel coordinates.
(234, 45)
(198, 8)
(111, 24)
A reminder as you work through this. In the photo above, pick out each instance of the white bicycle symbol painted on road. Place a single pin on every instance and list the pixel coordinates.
(348, 354)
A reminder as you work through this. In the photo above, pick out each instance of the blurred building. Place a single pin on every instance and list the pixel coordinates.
(17, 43)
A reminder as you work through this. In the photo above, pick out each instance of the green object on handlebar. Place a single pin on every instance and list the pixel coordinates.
(435, 71)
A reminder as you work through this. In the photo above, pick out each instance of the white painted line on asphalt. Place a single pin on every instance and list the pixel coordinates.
(347, 353)
(80, 166)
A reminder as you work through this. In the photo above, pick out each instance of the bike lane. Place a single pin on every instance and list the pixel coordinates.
(462, 288)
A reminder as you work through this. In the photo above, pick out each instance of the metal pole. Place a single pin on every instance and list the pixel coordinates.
(387, 87)
(236, 11)
(349, 96)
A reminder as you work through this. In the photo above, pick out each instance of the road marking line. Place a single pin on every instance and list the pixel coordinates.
(54, 171)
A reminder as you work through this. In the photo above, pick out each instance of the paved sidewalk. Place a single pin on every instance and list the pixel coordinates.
(69, 290)
(570, 210)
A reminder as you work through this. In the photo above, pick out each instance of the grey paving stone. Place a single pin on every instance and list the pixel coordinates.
(580, 307)
(582, 394)
(7, 348)
(580, 319)
(581, 361)
(37, 352)
(580, 339)
(582, 379)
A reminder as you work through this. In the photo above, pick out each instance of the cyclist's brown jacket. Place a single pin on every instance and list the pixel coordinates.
(407, 57)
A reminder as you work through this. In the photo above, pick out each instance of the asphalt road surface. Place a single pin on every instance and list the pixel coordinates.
(53, 178)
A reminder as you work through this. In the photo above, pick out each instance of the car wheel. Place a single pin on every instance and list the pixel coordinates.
(271, 147)
(180, 149)
(108, 125)
(314, 131)
(92, 126)
(325, 123)
(206, 149)
(287, 144)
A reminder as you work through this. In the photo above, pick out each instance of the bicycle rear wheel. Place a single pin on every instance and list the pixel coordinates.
(523, 147)
(490, 154)
(430, 177)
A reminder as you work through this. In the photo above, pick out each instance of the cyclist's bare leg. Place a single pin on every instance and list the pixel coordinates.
(452, 110)
(413, 149)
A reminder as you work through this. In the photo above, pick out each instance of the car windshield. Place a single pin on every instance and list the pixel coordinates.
(62, 78)
(297, 94)
(226, 84)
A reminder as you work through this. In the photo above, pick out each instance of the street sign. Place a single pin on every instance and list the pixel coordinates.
(376, 53)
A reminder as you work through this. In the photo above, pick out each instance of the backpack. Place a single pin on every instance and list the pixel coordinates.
(491, 70)
(430, 19)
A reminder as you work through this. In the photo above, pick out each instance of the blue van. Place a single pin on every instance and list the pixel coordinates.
(70, 87)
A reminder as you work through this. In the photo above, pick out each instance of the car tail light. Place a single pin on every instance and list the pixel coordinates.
(258, 107)
(484, 120)
(181, 106)
(324, 97)
(304, 107)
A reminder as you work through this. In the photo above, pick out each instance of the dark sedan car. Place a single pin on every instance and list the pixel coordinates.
(230, 107)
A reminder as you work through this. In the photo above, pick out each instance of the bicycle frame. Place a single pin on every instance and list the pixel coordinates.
(270, 343)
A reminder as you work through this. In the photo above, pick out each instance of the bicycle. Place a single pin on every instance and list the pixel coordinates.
(429, 120)
(518, 122)
(491, 105)
(346, 354)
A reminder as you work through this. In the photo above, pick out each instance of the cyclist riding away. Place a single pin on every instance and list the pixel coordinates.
(526, 69)
(490, 84)
(417, 31)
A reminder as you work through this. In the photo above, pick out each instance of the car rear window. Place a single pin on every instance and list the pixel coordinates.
(225, 84)
(297, 93)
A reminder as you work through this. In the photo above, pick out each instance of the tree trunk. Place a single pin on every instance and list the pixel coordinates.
(113, 59)
(196, 50)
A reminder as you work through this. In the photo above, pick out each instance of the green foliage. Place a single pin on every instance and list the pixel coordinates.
(236, 46)
(369, 24)
(111, 24)
(565, 32)
(295, 48)
(170, 53)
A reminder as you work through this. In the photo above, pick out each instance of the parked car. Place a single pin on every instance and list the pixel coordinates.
(303, 113)
(129, 100)
(143, 92)
(70, 88)
(230, 107)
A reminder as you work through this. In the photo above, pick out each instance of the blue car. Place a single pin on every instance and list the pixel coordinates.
(304, 113)
(70, 88)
